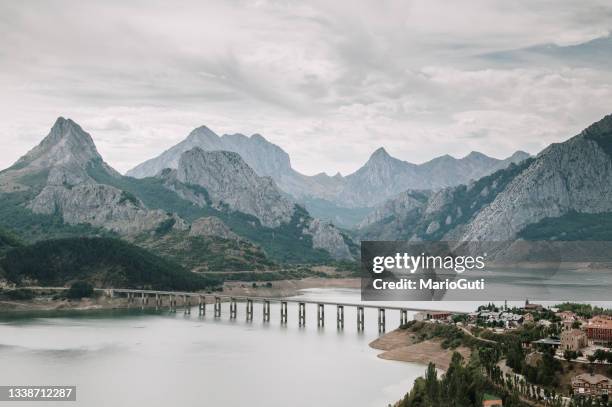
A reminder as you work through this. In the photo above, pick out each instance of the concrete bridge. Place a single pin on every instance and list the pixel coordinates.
(186, 300)
(189, 299)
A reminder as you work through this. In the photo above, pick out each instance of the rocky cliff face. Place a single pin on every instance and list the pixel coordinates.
(398, 208)
(230, 181)
(101, 205)
(211, 226)
(571, 176)
(56, 171)
(231, 184)
(574, 176)
(328, 238)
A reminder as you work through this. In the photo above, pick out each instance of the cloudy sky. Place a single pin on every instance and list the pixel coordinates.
(328, 81)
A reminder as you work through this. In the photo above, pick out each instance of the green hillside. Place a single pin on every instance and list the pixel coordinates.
(572, 226)
(104, 262)
(207, 253)
(8, 240)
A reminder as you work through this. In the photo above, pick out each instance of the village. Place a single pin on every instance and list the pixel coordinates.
(564, 349)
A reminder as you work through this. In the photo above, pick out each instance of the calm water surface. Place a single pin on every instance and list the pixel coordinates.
(133, 358)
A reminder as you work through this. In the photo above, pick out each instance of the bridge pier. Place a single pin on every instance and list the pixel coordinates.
(201, 305)
(233, 306)
(266, 311)
(187, 304)
(283, 309)
(172, 303)
(360, 319)
(249, 310)
(145, 298)
(381, 320)
(340, 316)
(217, 307)
(320, 315)
(302, 314)
(403, 317)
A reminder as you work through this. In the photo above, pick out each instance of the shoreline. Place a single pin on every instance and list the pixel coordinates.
(402, 345)
(272, 289)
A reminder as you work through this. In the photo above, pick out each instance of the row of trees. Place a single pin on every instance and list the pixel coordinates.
(584, 310)
(541, 395)
(463, 385)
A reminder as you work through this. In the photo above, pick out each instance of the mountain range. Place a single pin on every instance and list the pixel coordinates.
(64, 184)
(232, 202)
(564, 193)
(343, 200)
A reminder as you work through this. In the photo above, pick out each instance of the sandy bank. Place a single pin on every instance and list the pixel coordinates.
(47, 303)
(273, 289)
(402, 345)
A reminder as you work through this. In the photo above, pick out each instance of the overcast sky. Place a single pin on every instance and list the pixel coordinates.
(328, 81)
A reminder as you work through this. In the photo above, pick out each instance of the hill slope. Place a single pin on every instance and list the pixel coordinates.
(103, 262)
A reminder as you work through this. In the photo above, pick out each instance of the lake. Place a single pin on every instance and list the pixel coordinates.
(160, 359)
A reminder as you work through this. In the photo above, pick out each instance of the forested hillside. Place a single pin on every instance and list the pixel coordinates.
(104, 262)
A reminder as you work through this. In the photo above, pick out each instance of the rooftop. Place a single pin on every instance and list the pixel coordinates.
(592, 378)
(600, 322)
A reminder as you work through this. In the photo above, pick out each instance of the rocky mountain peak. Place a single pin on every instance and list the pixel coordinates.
(258, 137)
(202, 134)
(382, 161)
(66, 143)
(230, 181)
(476, 155)
(267, 159)
(518, 156)
(601, 127)
(380, 154)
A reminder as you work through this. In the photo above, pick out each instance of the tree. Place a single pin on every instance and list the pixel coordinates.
(431, 383)
(80, 289)
(569, 355)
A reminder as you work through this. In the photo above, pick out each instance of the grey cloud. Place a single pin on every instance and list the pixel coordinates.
(327, 81)
(596, 53)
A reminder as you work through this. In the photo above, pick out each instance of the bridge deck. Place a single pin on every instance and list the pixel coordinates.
(259, 299)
